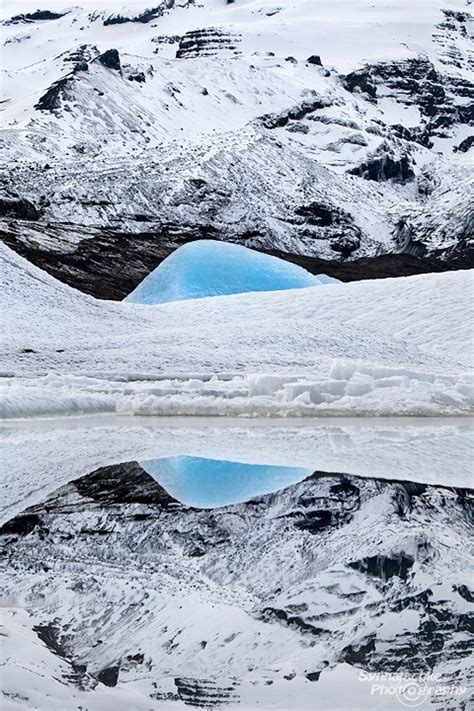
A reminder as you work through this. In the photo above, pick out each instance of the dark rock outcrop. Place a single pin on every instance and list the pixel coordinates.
(295, 113)
(15, 206)
(143, 17)
(28, 17)
(465, 145)
(110, 59)
(205, 42)
(384, 165)
(51, 100)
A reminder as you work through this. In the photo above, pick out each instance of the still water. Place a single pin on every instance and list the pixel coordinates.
(168, 564)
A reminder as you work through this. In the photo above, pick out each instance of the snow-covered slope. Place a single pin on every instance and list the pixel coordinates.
(332, 129)
(394, 346)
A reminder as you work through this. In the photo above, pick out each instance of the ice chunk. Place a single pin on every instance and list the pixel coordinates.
(207, 483)
(211, 268)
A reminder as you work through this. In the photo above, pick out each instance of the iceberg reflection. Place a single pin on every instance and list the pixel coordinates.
(208, 483)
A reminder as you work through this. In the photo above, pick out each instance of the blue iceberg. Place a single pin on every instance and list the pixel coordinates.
(211, 268)
(209, 483)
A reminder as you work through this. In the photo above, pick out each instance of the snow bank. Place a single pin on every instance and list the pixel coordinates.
(212, 268)
(394, 346)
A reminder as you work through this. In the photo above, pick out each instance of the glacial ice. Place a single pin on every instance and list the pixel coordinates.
(212, 268)
(207, 483)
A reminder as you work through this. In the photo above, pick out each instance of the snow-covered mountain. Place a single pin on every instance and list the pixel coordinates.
(334, 130)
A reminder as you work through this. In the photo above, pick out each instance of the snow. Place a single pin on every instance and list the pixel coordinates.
(209, 483)
(211, 268)
(394, 346)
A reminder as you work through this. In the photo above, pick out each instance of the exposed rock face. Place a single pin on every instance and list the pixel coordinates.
(294, 583)
(19, 207)
(465, 145)
(35, 16)
(416, 82)
(205, 42)
(383, 165)
(143, 17)
(110, 59)
(51, 100)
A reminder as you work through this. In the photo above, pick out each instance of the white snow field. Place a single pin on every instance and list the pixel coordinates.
(396, 346)
(211, 268)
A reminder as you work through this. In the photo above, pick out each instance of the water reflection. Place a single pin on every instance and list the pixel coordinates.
(209, 483)
(139, 575)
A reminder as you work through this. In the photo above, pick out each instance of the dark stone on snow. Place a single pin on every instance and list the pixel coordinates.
(385, 567)
(465, 593)
(465, 145)
(18, 207)
(51, 100)
(20, 525)
(205, 42)
(144, 17)
(383, 165)
(138, 77)
(34, 16)
(109, 676)
(361, 81)
(315, 59)
(316, 213)
(110, 59)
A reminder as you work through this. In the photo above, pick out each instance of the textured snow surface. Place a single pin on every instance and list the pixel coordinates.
(394, 346)
(210, 268)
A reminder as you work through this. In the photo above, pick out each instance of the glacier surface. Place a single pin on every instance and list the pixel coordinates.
(211, 268)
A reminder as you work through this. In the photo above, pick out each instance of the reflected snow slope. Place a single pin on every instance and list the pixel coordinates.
(211, 268)
(208, 483)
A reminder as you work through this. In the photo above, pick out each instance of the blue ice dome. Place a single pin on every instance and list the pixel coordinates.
(209, 483)
(212, 268)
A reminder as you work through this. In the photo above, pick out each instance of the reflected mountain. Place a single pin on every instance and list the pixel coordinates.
(206, 583)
